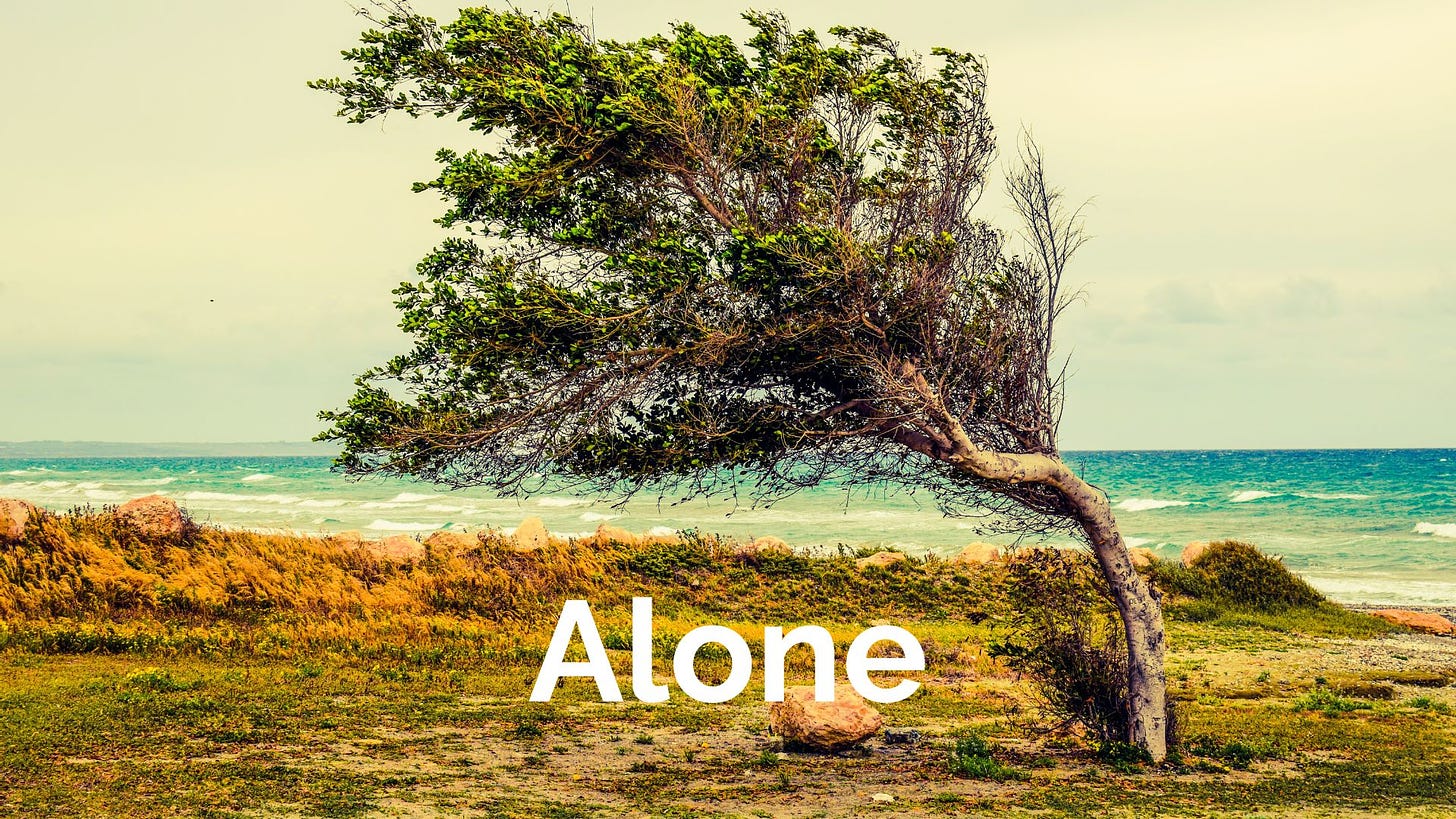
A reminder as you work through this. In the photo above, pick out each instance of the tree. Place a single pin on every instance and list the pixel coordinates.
(708, 269)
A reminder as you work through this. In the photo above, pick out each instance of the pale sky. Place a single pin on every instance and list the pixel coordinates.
(195, 249)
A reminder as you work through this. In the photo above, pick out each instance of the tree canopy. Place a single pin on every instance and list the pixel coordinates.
(683, 262)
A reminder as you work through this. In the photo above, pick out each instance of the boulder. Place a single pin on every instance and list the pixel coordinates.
(824, 726)
(14, 514)
(1426, 621)
(767, 544)
(153, 516)
(1193, 551)
(976, 554)
(531, 535)
(451, 542)
(396, 547)
(1142, 556)
(607, 533)
(880, 560)
(350, 539)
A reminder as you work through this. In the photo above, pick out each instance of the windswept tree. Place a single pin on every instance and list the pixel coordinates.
(704, 269)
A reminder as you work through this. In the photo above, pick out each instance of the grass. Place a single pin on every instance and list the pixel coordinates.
(365, 687)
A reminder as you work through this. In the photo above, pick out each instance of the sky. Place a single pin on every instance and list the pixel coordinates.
(193, 248)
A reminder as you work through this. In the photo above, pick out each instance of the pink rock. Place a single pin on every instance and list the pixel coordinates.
(153, 516)
(824, 726)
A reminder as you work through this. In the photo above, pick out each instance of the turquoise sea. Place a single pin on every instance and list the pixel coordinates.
(1369, 526)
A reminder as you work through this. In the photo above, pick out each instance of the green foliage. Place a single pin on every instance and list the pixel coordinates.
(690, 264)
(1065, 633)
(1239, 754)
(1329, 703)
(1231, 573)
(1240, 574)
(971, 757)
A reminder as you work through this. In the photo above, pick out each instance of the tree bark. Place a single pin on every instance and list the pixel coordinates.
(1142, 619)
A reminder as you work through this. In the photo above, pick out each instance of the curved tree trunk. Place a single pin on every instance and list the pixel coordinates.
(1142, 619)
(1142, 616)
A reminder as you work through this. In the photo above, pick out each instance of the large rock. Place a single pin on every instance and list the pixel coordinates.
(451, 542)
(153, 516)
(824, 726)
(532, 535)
(1193, 551)
(350, 539)
(397, 547)
(880, 560)
(608, 534)
(976, 554)
(14, 514)
(1426, 621)
(768, 544)
(1142, 556)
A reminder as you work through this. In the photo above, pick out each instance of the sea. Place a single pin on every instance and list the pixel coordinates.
(1364, 526)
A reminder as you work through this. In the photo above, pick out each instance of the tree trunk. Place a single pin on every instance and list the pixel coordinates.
(1142, 619)
(1142, 616)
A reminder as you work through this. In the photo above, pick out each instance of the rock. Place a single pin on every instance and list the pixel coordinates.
(902, 736)
(14, 514)
(824, 726)
(1141, 556)
(1193, 551)
(1429, 622)
(451, 542)
(531, 535)
(880, 560)
(607, 533)
(397, 547)
(977, 554)
(153, 516)
(768, 544)
(350, 539)
(883, 797)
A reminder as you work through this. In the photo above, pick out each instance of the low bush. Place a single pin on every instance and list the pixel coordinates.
(972, 757)
(1065, 633)
(1233, 573)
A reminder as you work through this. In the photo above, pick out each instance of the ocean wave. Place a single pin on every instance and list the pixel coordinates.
(1332, 495)
(1134, 542)
(1436, 529)
(662, 531)
(232, 496)
(410, 497)
(53, 484)
(551, 501)
(1144, 504)
(315, 503)
(393, 526)
(103, 494)
(594, 517)
(257, 476)
(1252, 495)
(382, 505)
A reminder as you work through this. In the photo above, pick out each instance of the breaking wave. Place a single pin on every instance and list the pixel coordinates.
(393, 526)
(1252, 495)
(1436, 529)
(1144, 504)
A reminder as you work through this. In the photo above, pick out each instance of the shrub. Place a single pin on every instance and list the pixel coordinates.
(971, 757)
(1241, 574)
(1066, 635)
(1328, 703)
